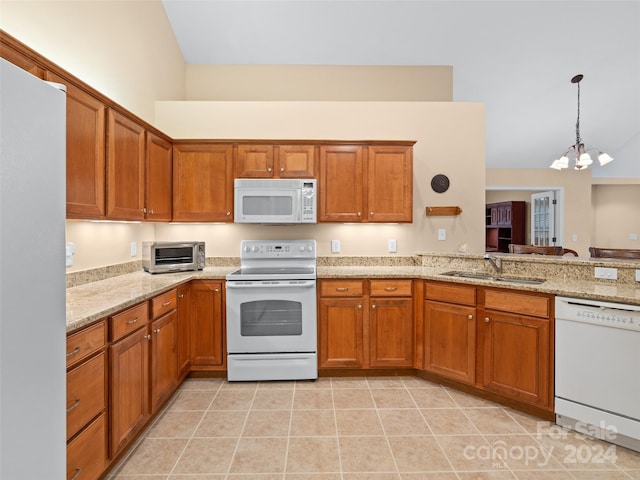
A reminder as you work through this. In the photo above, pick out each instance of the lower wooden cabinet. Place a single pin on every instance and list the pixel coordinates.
(206, 318)
(87, 453)
(184, 337)
(365, 323)
(164, 358)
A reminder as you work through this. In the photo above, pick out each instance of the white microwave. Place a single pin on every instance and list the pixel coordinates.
(275, 200)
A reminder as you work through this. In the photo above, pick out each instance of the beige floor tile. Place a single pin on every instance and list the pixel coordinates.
(273, 399)
(206, 456)
(530, 423)
(195, 477)
(313, 455)
(154, 456)
(267, 423)
(599, 475)
(366, 454)
(417, 382)
(573, 452)
(493, 421)
(432, 398)
(251, 476)
(469, 453)
(309, 476)
(430, 476)
(635, 474)
(448, 421)
(349, 382)
(626, 459)
(352, 398)
(522, 452)
(358, 422)
(140, 477)
(277, 385)
(233, 399)
(403, 422)
(202, 384)
(467, 400)
(371, 476)
(259, 455)
(312, 399)
(319, 383)
(221, 423)
(489, 475)
(392, 398)
(418, 454)
(176, 424)
(543, 475)
(307, 423)
(193, 400)
(385, 382)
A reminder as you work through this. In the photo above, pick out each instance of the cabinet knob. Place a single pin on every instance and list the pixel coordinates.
(147, 337)
(269, 169)
(144, 210)
(373, 307)
(282, 169)
(470, 317)
(486, 319)
(228, 213)
(181, 295)
(359, 214)
(359, 307)
(371, 214)
(157, 330)
(152, 211)
(216, 290)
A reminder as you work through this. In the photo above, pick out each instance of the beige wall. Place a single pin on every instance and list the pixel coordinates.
(319, 83)
(124, 49)
(616, 216)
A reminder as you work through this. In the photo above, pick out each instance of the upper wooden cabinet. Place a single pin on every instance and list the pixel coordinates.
(13, 51)
(125, 167)
(158, 179)
(360, 183)
(85, 152)
(505, 224)
(274, 161)
(203, 182)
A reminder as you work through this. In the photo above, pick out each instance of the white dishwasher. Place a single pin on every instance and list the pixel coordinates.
(597, 369)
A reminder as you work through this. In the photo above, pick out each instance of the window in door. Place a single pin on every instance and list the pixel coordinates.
(543, 218)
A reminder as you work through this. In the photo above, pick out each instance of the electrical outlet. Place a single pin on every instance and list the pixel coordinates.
(134, 249)
(574, 237)
(69, 251)
(606, 273)
(335, 246)
(393, 246)
(637, 275)
(633, 236)
(442, 234)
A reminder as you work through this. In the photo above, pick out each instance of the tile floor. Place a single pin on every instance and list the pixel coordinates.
(384, 428)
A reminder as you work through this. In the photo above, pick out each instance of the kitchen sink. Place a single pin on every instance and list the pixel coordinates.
(488, 276)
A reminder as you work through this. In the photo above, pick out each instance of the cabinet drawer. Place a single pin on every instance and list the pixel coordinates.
(129, 321)
(517, 303)
(85, 393)
(87, 453)
(451, 293)
(390, 288)
(82, 344)
(341, 288)
(163, 303)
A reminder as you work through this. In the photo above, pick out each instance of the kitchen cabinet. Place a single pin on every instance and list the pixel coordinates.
(164, 348)
(158, 179)
(86, 116)
(505, 224)
(125, 167)
(450, 331)
(15, 52)
(129, 375)
(366, 183)
(274, 161)
(202, 182)
(515, 330)
(206, 318)
(365, 324)
(184, 339)
(87, 402)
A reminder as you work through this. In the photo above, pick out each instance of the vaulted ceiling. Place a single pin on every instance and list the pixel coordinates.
(515, 56)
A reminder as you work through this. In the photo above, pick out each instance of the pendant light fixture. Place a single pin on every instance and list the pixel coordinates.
(579, 153)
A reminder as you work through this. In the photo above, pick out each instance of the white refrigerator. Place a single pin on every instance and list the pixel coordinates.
(32, 277)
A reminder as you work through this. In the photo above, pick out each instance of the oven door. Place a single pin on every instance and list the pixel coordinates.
(271, 316)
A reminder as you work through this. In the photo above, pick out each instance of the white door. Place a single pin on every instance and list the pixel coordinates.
(543, 218)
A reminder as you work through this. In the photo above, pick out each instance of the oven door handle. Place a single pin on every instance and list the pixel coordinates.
(272, 284)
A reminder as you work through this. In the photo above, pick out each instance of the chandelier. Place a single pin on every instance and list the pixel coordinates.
(579, 153)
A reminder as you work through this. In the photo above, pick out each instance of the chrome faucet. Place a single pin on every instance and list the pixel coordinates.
(496, 263)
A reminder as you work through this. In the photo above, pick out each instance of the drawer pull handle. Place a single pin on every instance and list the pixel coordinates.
(166, 303)
(78, 470)
(181, 295)
(75, 405)
(390, 289)
(133, 320)
(73, 352)
(342, 289)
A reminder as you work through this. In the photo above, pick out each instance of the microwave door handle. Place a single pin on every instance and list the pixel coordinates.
(275, 284)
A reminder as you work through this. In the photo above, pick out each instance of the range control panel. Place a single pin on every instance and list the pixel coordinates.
(261, 249)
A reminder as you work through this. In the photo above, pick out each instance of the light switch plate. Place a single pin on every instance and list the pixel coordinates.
(335, 246)
(606, 273)
(442, 234)
(134, 249)
(393, 246)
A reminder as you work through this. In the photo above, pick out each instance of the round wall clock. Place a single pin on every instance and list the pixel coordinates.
(440, 183)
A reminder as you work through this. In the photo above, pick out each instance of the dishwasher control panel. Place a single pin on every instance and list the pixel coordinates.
(610, 314)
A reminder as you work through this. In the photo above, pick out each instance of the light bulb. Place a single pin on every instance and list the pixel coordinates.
(604, 158)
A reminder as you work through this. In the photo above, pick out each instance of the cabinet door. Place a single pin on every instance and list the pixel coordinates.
(341, 332)
(296, 161)
(254, 161)
(87, 453)
(450, 340)
(125, 168)
(85, 153)
(203, 183)
(341, 183)
(391, 332)
(515, 355)
(206, 320)
(129, 380)
(164, 359)
(159, 179)
(390, 184)
(183, 332)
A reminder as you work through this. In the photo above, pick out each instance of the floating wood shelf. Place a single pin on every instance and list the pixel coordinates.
(441, 211)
